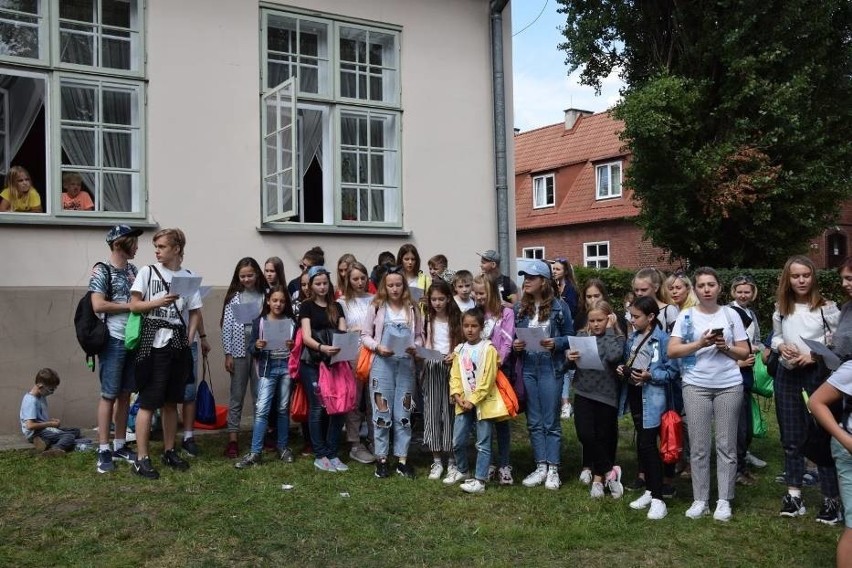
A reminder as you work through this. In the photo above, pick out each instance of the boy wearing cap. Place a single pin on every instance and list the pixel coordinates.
(490, 265)
(110, 286)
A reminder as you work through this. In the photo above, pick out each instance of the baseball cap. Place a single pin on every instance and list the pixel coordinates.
(121, 231)
(315, 271)
(537, 268)
(490, 256)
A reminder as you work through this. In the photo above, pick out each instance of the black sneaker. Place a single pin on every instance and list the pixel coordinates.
(637, 484)
(105, 464)
(792, 506)
(830, 513)
(174, 461)
(285, 455)
(125, 454)
(190, 447)
(405, 470)
(143, 468)
(249, 460)
(382, 469)
(668, 491)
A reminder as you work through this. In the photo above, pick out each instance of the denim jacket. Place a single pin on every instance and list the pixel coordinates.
(663, 373)
(560, 327)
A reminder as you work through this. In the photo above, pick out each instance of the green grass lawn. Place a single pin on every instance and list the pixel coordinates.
(60, 512)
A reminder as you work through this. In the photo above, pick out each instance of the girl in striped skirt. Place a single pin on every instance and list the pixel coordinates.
(443, 333)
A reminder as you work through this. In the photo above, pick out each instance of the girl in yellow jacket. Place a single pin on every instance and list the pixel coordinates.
(473, 389)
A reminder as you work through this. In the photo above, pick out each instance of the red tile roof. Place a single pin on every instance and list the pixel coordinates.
(572, 156)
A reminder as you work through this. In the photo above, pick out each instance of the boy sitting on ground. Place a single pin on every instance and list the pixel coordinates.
(40, 430)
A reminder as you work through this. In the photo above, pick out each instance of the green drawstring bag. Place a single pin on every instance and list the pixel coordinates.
(133, 331)
(758, 422)
(764, 384)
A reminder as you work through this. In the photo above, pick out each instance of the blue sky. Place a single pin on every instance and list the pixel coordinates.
(542, 88)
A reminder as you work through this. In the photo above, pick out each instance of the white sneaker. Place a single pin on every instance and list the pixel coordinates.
(586, 476)
(642, 502)
(492, 472)
(613, 482)
(567, 411)
(552, 482)
(597, 490)
(436, 471)
(723, 510)
(453, 475)
(505, 475)
(754, 461)
(658, 510)
(473, 486)
(537, 477)
(697, 510)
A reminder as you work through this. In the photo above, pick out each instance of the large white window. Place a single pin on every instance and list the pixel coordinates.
(596, 255)
(608, 180)
(72, 105)
(533, 252)
(346, 122)
(544, 191)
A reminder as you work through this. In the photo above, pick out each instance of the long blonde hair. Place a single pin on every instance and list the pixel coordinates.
(786, 297)
(605, 307)
(691, 299)
(12, 183)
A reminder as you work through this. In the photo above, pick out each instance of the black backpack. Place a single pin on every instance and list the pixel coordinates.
(92, 332)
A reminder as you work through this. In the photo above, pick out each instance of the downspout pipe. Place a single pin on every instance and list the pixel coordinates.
(500, 152)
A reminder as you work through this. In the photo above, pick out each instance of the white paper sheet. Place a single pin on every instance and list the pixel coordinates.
(349, 345)
(276, 333)
(185, 286)
(429, 354)
(588, 348)
(245, 313)
(398, 344)
(832, 361)
(532, 336)
(204, 291)
(416, 294)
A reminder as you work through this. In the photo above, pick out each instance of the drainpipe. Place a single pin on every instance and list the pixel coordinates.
(501, 165)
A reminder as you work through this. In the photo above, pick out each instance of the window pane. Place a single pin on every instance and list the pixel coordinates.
(79, 103)
(349, 130)
(377, 211)
(363, 204)
(616, 179)
(118, 150)
(116, 13)
(80, 10)
(118, 192)
(285, 184)
(115, 51)
(348, 167)
(348, 82)
(603, 181)
(603, 250)
(79, 146)
(30, 6)
(271, 187)
(19, 35)
(118, 107)
(271, 155)
(377, 169)
(377, 133)
(349, 204)
(77, 44)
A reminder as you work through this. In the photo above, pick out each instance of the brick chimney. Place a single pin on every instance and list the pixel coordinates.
(572, 114)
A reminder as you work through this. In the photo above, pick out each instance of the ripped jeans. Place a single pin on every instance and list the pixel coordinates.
(392, 391)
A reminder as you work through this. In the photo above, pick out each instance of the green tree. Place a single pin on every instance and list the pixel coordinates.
(738, 116)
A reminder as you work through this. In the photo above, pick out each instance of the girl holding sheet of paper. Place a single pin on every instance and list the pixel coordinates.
(392, 331)
(596, 394)
(243, 303)
(269, 346)
(543, 366)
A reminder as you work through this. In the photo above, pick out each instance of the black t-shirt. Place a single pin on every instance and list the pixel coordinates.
(318, 316)
(507, 287)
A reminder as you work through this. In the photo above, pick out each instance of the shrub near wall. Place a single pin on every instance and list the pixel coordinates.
(619, 282)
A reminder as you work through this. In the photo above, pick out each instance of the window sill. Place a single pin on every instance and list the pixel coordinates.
(320, 229)
(29, 219)
(607, 197)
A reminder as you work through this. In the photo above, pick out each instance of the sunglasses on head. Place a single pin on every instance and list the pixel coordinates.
(743, 279)
(393, 269)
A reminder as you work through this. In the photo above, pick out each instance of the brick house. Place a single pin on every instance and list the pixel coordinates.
(570, 201)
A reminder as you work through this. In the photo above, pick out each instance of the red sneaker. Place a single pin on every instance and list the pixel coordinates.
(232, 450)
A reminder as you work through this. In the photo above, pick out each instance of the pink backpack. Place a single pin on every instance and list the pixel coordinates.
(337, 387)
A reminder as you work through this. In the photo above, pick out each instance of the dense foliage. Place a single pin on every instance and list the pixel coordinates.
(737, 115)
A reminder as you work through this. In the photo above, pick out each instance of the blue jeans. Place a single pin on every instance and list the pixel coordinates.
(62, 438)
(324, 446)
(464, 423)
(392, 391)
(117, 369)
(543, 403)
(567, 377)
(275, 377)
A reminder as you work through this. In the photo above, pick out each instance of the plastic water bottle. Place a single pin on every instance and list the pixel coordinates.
(688, 329)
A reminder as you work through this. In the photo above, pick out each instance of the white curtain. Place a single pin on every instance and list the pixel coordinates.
(26, 99)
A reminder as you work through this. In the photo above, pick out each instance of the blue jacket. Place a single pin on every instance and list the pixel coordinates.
(560, 327)
(663, 373)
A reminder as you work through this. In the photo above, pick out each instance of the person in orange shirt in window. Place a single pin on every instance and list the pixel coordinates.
(73, 196)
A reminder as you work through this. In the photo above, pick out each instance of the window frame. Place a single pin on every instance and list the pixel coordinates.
(54, 72)
(531, 252)
(336, 108)
(608, 166)
(544, 179)
(45, 7)
(596, 259)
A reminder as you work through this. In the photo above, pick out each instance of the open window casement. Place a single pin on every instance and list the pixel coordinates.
(280, 201)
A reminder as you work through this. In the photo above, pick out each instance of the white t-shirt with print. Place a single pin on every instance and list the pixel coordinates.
(158, 290)
(713, 369)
